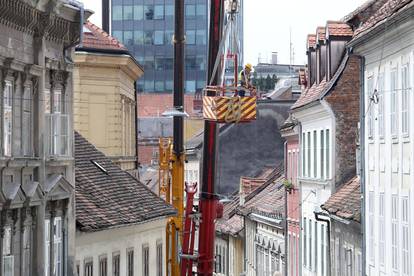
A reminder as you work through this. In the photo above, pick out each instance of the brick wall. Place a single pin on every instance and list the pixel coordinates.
(146, 153)
(344, 100)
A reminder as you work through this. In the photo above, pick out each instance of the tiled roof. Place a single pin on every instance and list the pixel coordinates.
(310, 95)
(346, 202)
(230, 223)
(96, 38)
(388, 9)
(339, 29)
(107, 196)
(320, 33)
(311, 41)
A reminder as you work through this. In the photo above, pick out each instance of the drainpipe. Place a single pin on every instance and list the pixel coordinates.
(362, 158)
(81, 8)
(286, 214)
(328, 228)
(136, 129)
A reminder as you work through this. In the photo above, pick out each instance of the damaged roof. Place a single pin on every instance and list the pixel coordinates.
(108, 197)
(346, 202)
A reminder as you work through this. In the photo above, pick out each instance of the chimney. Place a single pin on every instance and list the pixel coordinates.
(274, 57)
(320, 54)
(337, 36)
(105, 16)
(311, 44)
(242, 193)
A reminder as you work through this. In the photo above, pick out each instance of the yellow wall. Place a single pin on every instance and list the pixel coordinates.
(104, 104)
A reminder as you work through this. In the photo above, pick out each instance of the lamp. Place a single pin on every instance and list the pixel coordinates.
(176, 111)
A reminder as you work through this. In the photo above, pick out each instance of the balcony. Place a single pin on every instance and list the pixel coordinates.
(58, 139)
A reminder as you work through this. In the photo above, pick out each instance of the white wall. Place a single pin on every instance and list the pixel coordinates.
(389, 160)
(120, 240)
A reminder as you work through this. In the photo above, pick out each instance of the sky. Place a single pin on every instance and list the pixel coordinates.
(269, 24)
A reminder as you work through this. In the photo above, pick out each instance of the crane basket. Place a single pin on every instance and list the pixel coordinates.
(223, 105)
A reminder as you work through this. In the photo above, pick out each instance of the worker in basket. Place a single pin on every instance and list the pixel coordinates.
(245, 81)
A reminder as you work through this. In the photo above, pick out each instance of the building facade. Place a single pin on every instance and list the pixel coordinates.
(120, 223)
(328, 130)
(37, 173)
(147, 28)
(290, 131)
(388, 130)
(104, 96)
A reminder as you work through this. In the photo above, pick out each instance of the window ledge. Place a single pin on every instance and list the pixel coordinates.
(406, 138)
(395, 140)
(59, 160)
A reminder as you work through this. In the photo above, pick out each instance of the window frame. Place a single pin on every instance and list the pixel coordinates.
(103, 265)
(116, 264)
(7, 107)
(394, 103)
(405, 101)
(130, 262)
(145, 260)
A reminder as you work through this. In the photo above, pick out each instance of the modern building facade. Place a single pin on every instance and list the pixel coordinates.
(104, 96)
(37, 172)
(146, 28)
(386, 42)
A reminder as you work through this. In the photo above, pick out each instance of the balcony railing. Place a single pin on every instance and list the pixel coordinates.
(57, 144)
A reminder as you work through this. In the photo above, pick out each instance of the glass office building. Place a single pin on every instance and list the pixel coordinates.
(146, 28)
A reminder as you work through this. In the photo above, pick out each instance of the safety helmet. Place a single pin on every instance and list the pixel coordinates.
(248, 66)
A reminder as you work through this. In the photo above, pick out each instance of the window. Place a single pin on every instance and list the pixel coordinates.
(322, 154)
(128, 38)
(323, 245)
(190, 37)
(149, 12)
(138, 12)
(316, 246)
(8, 118)
(358, 264)
(58, 124)
(394, 232)
(348, 262)
(58, 246)
(394, 104)
(201, 10)
(159, 259)
(303, 155)
(103, 266)
(201, 37)
(8, 258)
(370, 109)
(149, 37)
(405, 84)
(371, 208)
(190, 10)
(130, 262)
(88, 267)
(310, 245)
(305, 241)
(190, 86)
(169, 85)
(138, 37)
(148, 86)
(117, 13)
(315, 154)
(47, 247)
(159, 12)
(337, 256)
(190, 63)
(115, 264)
(201, 64)
(159, 63)
(327, 152)
(381, 225)
(27, 244)
(117, 35)
(145, 260)
(149, 62)
(159, 86)
(169, 10)
(406, 239)
(128, 13)
(27, 121)
(168, 36)
(381, 105)
(159, 37)
(308, 159)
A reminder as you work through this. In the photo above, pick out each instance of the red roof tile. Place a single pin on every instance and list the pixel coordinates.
(338, 29)
(96, 38)
(320, 33)
(346, 202)
(388, 9)
(311, 41)
(311, 94)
